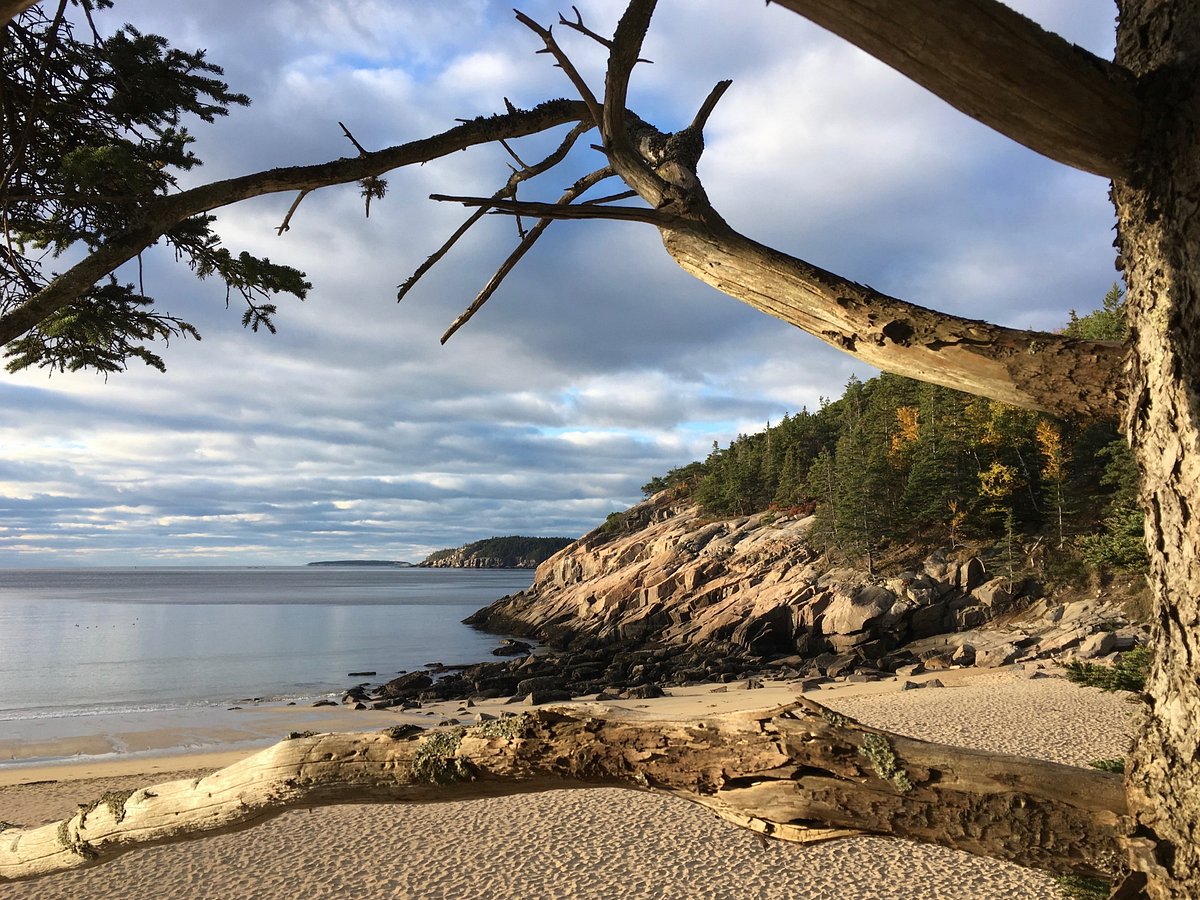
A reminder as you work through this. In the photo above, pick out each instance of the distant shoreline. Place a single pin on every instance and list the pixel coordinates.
(393, 563)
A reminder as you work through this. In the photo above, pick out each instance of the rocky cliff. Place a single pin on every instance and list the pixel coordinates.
(662, 572)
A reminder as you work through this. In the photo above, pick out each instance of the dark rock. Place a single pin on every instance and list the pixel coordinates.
(644, 692)
(358, 674)
(538, 683)
(841, 665)
(970, 574)
(963, 655)
(325, 703)
(512, 647)
(410, 683)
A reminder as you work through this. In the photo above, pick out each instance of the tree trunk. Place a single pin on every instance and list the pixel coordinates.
(1159, 245)
(799, 773)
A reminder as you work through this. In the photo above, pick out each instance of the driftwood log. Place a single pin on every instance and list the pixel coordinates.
(798, 773)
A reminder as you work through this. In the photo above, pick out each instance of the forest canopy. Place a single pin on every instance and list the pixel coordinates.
(895, 460)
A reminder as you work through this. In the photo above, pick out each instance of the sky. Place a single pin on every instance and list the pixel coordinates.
(599, 364)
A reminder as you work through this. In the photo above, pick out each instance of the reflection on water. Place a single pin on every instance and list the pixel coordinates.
(82, 641)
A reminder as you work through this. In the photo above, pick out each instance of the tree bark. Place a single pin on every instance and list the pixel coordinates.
(798, 773)
(1159, 245)
(1001, 68)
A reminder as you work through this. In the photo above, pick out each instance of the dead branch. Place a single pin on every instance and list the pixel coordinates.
(554, 211)
(630, 165)
(578, 25)
(285, 225)
(362, 151)
(782, 772)
(709, 104)
(509, 190)
(564, 61)
(527, 242)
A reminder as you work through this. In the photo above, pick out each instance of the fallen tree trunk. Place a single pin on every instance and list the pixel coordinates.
(798, 773)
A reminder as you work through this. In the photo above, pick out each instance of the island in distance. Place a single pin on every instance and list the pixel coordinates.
(513, 552)
(391, 563)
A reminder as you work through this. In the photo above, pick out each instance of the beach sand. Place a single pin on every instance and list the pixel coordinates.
(591, 843)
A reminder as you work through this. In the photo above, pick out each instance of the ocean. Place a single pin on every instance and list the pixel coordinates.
(76, 643)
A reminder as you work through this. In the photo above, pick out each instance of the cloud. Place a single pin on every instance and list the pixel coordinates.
(598, 364)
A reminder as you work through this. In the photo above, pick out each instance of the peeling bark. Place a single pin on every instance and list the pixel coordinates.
(798, 773)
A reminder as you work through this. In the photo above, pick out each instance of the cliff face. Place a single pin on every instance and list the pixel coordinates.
(668, 574)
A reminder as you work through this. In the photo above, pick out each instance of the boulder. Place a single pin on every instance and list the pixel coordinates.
(851, 611)
(646, 691)
(963, 655)
(405, 684)
(1099, 644)
(992, 657)
(538, 683)
(993, 594)
(970, 574)
(512, 647)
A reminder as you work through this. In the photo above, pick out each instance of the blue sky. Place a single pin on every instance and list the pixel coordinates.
(353, 433)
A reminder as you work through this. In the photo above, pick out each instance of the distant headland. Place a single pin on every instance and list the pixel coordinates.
(392, 563)
(513, 552)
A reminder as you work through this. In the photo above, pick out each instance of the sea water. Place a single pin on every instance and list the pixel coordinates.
(94, 642)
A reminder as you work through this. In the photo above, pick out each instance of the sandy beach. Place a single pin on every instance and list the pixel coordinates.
(593, 843)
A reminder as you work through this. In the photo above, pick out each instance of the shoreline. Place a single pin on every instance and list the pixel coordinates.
(234, 733)
(599, 842)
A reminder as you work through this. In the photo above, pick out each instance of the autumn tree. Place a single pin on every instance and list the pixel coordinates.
(1133, 120)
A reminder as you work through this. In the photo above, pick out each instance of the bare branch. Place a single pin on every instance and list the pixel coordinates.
(1001, 68)
(362, 151)
(578, 25)
(513, 153)
(564, 61)
(286, 224)
(709, 104)
(575, 211)
(623, 195)
(627, 45)
(527, 241)
(509, 190)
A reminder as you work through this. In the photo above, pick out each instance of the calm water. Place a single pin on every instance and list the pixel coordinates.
(83, 642)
